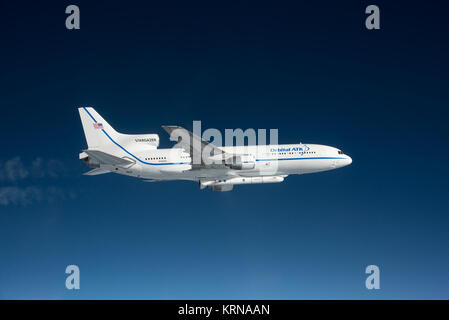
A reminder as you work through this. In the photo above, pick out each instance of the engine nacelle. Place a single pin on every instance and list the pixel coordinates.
(242, 162)
(88, 161)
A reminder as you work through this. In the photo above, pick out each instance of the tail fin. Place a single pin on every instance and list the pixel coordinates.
(101, 136)
(93, 125)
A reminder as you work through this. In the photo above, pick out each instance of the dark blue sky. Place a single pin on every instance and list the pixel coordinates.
(311, 70)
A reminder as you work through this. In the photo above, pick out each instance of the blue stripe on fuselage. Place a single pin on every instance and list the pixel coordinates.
(178, 163)
(280, 159)
(118, 145)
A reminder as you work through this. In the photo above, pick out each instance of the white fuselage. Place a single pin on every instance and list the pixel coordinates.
(218, 168)
(269, 160)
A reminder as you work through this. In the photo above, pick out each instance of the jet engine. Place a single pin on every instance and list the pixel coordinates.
(242, 162)
(89, 161)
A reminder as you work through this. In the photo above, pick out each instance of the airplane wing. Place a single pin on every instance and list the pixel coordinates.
(96, 171)
(196, 146)
(106, 158)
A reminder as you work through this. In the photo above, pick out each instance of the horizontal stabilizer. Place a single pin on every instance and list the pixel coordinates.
(96, 171)
(106, 158)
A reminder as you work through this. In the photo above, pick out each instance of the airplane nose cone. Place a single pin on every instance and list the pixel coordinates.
(348, 160)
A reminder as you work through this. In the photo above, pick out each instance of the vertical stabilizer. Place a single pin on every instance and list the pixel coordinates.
(102, 137)
(99, 134)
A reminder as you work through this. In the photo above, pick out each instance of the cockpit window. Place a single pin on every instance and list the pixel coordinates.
(340, 152)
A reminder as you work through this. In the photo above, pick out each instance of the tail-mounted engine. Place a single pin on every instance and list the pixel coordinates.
(89, 161)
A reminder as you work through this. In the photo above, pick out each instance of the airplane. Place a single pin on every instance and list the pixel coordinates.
(137, 155)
